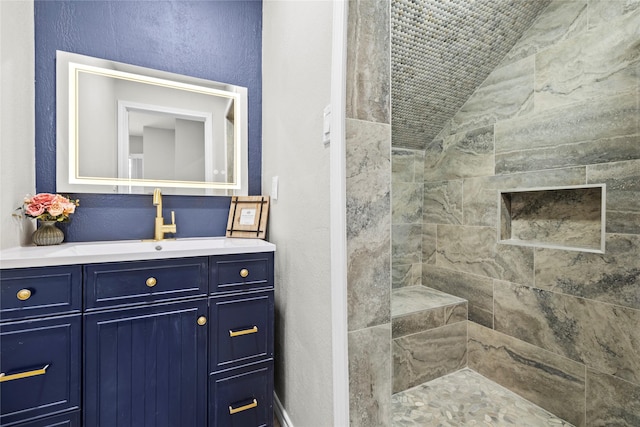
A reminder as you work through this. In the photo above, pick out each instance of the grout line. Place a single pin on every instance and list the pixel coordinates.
(493, 306)
(586, 388)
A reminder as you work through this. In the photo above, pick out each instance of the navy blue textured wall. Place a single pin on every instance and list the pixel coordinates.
(216, 40)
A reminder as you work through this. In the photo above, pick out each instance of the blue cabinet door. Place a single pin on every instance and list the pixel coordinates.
(146, 367)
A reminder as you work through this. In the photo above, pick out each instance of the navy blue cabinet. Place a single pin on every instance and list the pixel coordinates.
(40, 344)
(184, 342)
(241, 309)
(146, 367)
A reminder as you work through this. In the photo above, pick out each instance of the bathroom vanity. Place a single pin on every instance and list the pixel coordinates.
(170, 333)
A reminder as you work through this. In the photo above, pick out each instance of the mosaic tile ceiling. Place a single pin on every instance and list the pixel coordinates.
(441, 51)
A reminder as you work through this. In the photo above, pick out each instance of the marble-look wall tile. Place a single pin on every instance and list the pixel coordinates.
(368, 150)
(612, 277)
(403, 275)
(481, 194)
(406, 195)
(603, 336)
(417, 322)
(604, 12)
(429, 241)
(369, 285)
(406, 203)
(460, 155)
(560, 20)
(553, 382)
(623, 193)
(406, 244)
(611, 401)
(428, 355)
(506, 93)
(478, 291)
(599, 131)
(597, 64)
(443, 202)
(370, 377)
(419, 166)
(446, 131)
(368, 61)
(403, 165)
(456, 313)
(368, 210)
(475, 250)
(400, 275)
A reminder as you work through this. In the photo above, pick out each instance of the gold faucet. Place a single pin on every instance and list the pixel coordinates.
(161, 227)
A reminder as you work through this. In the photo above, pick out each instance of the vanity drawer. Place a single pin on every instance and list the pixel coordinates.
(115, 284)
(241, 272)
(40, 360)
(242, 398)
(241, 330)
(31, 292)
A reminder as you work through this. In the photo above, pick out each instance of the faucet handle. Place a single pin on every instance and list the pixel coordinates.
(173, 217)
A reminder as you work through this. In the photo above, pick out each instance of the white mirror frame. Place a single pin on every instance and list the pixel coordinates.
(68, 179)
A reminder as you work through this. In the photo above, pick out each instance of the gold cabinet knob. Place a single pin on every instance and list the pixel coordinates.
(202, 320)
(23, 294)
(151, 282)
(244, 273)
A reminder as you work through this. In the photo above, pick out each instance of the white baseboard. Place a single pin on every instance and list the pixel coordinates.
(280, 412)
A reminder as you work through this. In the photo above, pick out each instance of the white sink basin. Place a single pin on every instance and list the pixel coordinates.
(137, 247)
(127, 250)
(113, 248)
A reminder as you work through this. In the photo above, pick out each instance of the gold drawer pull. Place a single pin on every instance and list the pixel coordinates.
(244, 273)
(202, 320)
(23, 294)
(151, 282)
(243, 332)
(19, 375)
(233, 410)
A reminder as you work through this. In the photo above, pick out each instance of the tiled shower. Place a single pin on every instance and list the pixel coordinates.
(559, 109)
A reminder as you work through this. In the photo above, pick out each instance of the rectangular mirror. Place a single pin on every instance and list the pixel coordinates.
(128, 129)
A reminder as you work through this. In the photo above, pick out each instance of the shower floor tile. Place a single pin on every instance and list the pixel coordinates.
(466, 398)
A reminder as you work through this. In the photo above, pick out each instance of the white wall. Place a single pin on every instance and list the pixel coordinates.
(296, 87)
(17, 93)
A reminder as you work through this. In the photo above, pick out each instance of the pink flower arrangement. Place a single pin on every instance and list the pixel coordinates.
(50, 207)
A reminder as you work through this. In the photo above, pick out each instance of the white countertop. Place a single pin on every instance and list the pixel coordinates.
(127, 250)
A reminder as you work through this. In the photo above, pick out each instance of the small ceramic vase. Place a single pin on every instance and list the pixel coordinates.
(47, 234)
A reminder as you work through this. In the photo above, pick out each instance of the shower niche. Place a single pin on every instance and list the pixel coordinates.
(570, 218)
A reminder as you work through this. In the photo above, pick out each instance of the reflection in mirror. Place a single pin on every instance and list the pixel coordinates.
(128, 129)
